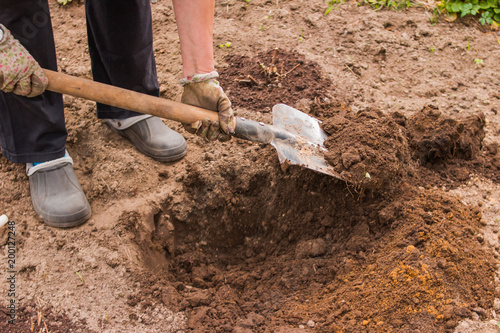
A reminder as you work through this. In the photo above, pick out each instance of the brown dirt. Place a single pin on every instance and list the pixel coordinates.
(367, 149)
(272, 77)
(370, 149)
(227, 241)
(30, 320)
(399, 259)
(436, 138)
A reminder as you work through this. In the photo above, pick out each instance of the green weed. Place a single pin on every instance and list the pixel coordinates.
(377, 4)
(489, 10)
(331, 5)
(390, 4)
(433, 16)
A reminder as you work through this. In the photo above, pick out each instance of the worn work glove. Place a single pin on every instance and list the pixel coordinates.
(19, 71)
(204, 91)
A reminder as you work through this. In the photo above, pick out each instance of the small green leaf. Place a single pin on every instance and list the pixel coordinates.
(465, 6)
(455, 7)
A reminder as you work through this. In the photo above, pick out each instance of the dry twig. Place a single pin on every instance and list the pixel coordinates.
(39, 318)
(291, 70)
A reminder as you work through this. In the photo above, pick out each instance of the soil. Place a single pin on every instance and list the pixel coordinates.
(367, 149)
(228, 241)
(272, 77)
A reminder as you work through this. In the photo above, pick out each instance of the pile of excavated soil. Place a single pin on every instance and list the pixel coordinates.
(434, 137)
(368, 149)
(261, 249)
(272, 77)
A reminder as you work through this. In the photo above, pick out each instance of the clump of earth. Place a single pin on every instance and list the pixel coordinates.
(435, 137)
(371, 149)
(367, 149)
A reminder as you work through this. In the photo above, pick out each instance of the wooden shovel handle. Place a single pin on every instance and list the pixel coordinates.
(126, 99)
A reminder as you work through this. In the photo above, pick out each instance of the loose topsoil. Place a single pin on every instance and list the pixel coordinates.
(228, 241)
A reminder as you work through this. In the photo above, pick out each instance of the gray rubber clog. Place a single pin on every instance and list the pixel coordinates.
(56, 194)
(154, 139)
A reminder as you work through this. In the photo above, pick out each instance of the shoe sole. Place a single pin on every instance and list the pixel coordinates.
(71, 224)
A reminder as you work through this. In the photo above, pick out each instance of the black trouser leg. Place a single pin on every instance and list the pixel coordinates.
(120, 37)
(31, 129)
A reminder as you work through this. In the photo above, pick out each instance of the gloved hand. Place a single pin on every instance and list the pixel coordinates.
(204, 91)
(19, 71)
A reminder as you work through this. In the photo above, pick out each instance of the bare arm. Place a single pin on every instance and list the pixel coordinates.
(195, 19)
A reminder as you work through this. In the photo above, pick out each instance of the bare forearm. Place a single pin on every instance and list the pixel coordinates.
(195, 20)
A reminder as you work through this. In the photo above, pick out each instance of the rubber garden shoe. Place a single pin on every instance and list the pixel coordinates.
(151, 137)
(56, 193)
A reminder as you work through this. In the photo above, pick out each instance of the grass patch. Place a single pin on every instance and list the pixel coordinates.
(487, 11)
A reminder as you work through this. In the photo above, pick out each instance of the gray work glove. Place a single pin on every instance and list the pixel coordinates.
(204, 91)
(19, 71)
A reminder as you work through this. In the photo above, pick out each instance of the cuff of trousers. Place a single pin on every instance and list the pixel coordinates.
(121, 124)
(31, 168)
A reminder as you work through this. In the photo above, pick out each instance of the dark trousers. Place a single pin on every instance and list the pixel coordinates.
(121, 51)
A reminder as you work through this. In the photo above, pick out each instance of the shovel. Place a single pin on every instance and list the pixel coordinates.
(297, 137)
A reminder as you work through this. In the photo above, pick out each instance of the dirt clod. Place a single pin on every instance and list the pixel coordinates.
(435, 137)
(368, 149)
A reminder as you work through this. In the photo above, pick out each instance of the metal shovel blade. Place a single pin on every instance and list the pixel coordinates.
(306, 149)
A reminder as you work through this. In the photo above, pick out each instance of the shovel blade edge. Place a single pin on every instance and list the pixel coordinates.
(306, 149)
